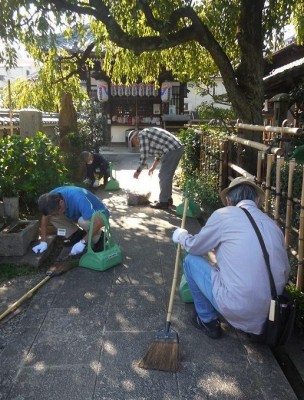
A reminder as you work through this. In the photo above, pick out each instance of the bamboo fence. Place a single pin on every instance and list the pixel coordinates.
(217, 155)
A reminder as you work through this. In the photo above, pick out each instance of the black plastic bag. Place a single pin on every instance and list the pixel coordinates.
(280, 322)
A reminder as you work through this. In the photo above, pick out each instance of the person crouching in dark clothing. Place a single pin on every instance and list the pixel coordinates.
(97, 167)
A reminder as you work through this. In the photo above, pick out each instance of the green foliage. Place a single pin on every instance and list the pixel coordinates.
(92, 126)
(45, 92)
(298, 295)
(298, 21)
(203, 188)
(210, 112)
(194, 40)
(191, 140)
(10, 271)
(29, 167)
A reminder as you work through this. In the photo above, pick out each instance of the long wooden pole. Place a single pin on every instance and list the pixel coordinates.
(292, 164)
(255, 145)
(279, 163)
(259, 167)
(24, 297)
(299, 284)
(269, 128)
(270, 161)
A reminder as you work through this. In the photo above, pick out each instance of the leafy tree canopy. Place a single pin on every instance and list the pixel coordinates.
(193, 39)
(45, 91)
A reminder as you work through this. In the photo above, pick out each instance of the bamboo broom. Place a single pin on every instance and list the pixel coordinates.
(163, 353)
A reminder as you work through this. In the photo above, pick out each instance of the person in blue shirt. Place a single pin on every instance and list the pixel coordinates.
(69, 209)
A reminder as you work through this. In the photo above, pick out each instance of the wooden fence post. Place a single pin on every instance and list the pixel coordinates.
(299, 284)
(292, 164)
(259, 167)
(224, 164)
(279, 163)
(270, 161)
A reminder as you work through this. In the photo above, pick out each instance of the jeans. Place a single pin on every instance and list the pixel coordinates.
(198, 274)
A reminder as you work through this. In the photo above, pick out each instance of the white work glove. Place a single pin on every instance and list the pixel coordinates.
(87, 181)
(96, 183)
(40, 248)
(178, 234)
(78, 248)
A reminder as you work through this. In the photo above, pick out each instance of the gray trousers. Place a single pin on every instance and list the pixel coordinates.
(70, 226)
(169, 163)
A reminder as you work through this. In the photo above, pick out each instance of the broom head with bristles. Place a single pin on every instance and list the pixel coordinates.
(163, 353)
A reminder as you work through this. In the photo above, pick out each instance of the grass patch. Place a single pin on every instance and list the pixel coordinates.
(10, 271)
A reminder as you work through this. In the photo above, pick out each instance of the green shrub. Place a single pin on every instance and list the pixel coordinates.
(29, 167)
(203, 187)
(208, 111)
(190, 162)
(92, 126)
(298, 295)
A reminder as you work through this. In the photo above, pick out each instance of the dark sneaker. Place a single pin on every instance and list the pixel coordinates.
(74, 238)
(170, 202)
(212, 329)
(160, 205)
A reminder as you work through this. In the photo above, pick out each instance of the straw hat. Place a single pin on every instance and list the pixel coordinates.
(239, 181)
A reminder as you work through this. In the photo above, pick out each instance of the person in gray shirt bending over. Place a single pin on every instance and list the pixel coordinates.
(237, 286)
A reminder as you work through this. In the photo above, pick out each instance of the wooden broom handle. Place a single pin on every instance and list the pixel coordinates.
(174, 281)
(24, 297)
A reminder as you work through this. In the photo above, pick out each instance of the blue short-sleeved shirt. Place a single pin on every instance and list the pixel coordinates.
(80, 202)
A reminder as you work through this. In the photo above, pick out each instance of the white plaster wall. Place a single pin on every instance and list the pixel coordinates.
(194, 99)
(118, 133)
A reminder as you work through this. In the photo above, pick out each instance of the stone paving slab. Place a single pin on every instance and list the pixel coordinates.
(30, 257)
(84, 332)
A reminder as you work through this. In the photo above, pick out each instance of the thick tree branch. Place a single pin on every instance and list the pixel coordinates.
(195, 30)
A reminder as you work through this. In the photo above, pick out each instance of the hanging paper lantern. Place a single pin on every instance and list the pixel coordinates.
(141, 90)
(102, 91)
(148, 90)
(154, 91)
(127, 90)
(134, 89)
(114, 90)
(166, 91)
(120, 90)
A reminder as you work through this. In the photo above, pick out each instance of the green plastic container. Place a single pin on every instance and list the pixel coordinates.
(113, 183)
(193, 210)
(184, 290)
(103, 260)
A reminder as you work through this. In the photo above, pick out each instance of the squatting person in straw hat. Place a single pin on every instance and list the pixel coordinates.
(69, 209)
(167, 149)
(237, 287)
